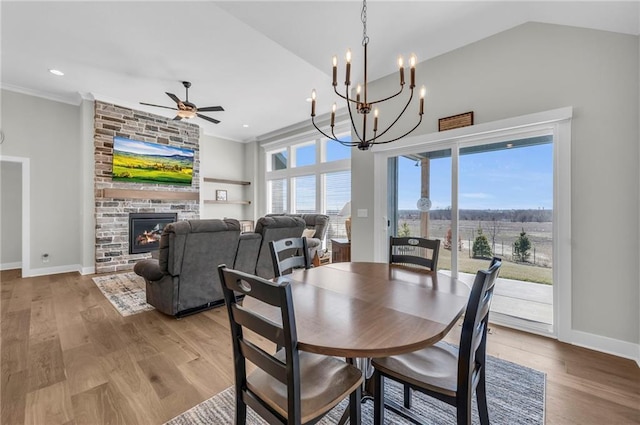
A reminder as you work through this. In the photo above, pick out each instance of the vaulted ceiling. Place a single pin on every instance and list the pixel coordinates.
(258, 59)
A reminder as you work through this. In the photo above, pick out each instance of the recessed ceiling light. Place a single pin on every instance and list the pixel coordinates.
(56, 72)
(245, 125)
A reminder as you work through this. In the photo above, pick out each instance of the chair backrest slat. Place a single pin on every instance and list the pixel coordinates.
(264, 361)
(260, 325)
(473, 340)
(415, 251)
(288, 254)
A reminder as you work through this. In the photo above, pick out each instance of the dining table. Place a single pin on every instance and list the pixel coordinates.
(367, 309)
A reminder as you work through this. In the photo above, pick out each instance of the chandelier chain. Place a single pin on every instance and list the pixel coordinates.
(363, 17)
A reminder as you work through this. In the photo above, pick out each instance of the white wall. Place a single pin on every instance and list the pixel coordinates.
(48, 133)
(537, 67)
(223, 159)
(10, 215)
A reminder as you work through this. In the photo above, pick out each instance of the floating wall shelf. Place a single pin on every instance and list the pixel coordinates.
(212, 180)
(212, 201)
(225, 181)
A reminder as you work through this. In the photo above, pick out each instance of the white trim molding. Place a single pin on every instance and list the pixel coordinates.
(616, 347)
(11, 266)
(44, 271)
(26, 210)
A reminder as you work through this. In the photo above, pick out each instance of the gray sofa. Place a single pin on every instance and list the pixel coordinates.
(273, 228)
(319, 223)
(184, 278)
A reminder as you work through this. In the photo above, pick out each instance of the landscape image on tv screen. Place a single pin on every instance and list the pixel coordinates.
(143, 162)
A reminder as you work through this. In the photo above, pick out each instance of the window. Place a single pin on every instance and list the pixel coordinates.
(278, 161)
(310, 177)
(305, 154)
(305, 194)
(277, 196)
(337, 194)
(334, 151)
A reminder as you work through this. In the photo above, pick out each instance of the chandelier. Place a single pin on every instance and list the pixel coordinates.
(362, 104)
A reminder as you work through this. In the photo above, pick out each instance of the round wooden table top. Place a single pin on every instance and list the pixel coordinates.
(369, 309)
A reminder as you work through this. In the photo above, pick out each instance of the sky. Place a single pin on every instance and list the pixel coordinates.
(516, 178)
(146, 148)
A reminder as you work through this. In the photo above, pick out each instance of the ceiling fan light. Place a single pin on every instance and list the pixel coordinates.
(186, 114)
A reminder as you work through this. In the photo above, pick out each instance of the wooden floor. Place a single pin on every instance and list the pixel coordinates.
(68, 357)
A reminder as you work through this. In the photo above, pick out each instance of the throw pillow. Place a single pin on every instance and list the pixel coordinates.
(308, 233)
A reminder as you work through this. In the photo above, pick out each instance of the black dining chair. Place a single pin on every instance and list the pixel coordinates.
(288, 254)
(290, 386)
(443, 371)
(414, 251)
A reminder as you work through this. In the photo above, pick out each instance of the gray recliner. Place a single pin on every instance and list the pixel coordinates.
(319, 223)
(274, 228)
(184, 278)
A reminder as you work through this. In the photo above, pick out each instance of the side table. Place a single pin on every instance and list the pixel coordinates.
(340, 250)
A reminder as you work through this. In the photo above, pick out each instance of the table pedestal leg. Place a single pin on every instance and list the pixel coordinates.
(364, 364)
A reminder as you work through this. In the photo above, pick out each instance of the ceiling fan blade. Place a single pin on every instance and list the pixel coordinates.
(211, 109)
(158, 106)
(177, 118)
(213, 120)
(174, 97)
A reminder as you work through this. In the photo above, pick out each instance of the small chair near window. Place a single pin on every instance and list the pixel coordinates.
(415, 251)
(441, 370)
(288, 254)
(290, 386)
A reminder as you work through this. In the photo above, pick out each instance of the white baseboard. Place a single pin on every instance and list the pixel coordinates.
(11, 266)
(52, 270)
(87, 270)
(627, 350)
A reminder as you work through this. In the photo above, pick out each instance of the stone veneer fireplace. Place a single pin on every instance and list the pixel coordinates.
(114, 201)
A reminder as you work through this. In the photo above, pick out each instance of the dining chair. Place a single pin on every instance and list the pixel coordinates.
(288, 254)
(442, 371)
(290, 386)
(415, 251)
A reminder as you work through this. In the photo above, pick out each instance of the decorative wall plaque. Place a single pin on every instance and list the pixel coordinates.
(455, 121)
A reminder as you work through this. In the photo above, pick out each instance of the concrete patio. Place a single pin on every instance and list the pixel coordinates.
(524, 300)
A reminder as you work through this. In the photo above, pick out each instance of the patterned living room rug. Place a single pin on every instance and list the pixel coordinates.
(515, 395)
(125, 291)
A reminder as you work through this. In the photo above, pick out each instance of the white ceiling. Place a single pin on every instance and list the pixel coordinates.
(259, 59)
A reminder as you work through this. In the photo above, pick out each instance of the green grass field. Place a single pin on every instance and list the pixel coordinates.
(151, 169)
(539, 270)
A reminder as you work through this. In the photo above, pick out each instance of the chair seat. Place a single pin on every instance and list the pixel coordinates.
(325, 381)
(434, 368)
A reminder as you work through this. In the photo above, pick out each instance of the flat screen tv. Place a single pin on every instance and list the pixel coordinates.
(143, 162)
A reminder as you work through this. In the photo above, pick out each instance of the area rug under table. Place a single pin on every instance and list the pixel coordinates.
(515, 395)
(125, 291)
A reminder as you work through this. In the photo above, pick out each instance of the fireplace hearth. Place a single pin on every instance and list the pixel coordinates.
(145, 230)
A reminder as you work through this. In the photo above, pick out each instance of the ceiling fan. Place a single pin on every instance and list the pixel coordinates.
(187, 109)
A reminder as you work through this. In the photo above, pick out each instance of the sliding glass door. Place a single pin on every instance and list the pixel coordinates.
(504, 198)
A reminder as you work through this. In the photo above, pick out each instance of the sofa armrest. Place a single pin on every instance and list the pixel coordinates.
(247, 253)
(148, 269)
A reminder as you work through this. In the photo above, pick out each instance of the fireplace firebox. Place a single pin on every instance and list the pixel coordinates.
(145, 230)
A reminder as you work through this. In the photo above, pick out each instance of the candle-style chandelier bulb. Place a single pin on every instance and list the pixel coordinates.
(363, 105)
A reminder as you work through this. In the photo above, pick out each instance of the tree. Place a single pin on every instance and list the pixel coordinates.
(481, 248)
(494, 230)
(404, 230)
(521, 247)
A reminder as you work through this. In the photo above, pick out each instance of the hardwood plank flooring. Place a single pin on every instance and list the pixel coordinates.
(67, 357)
